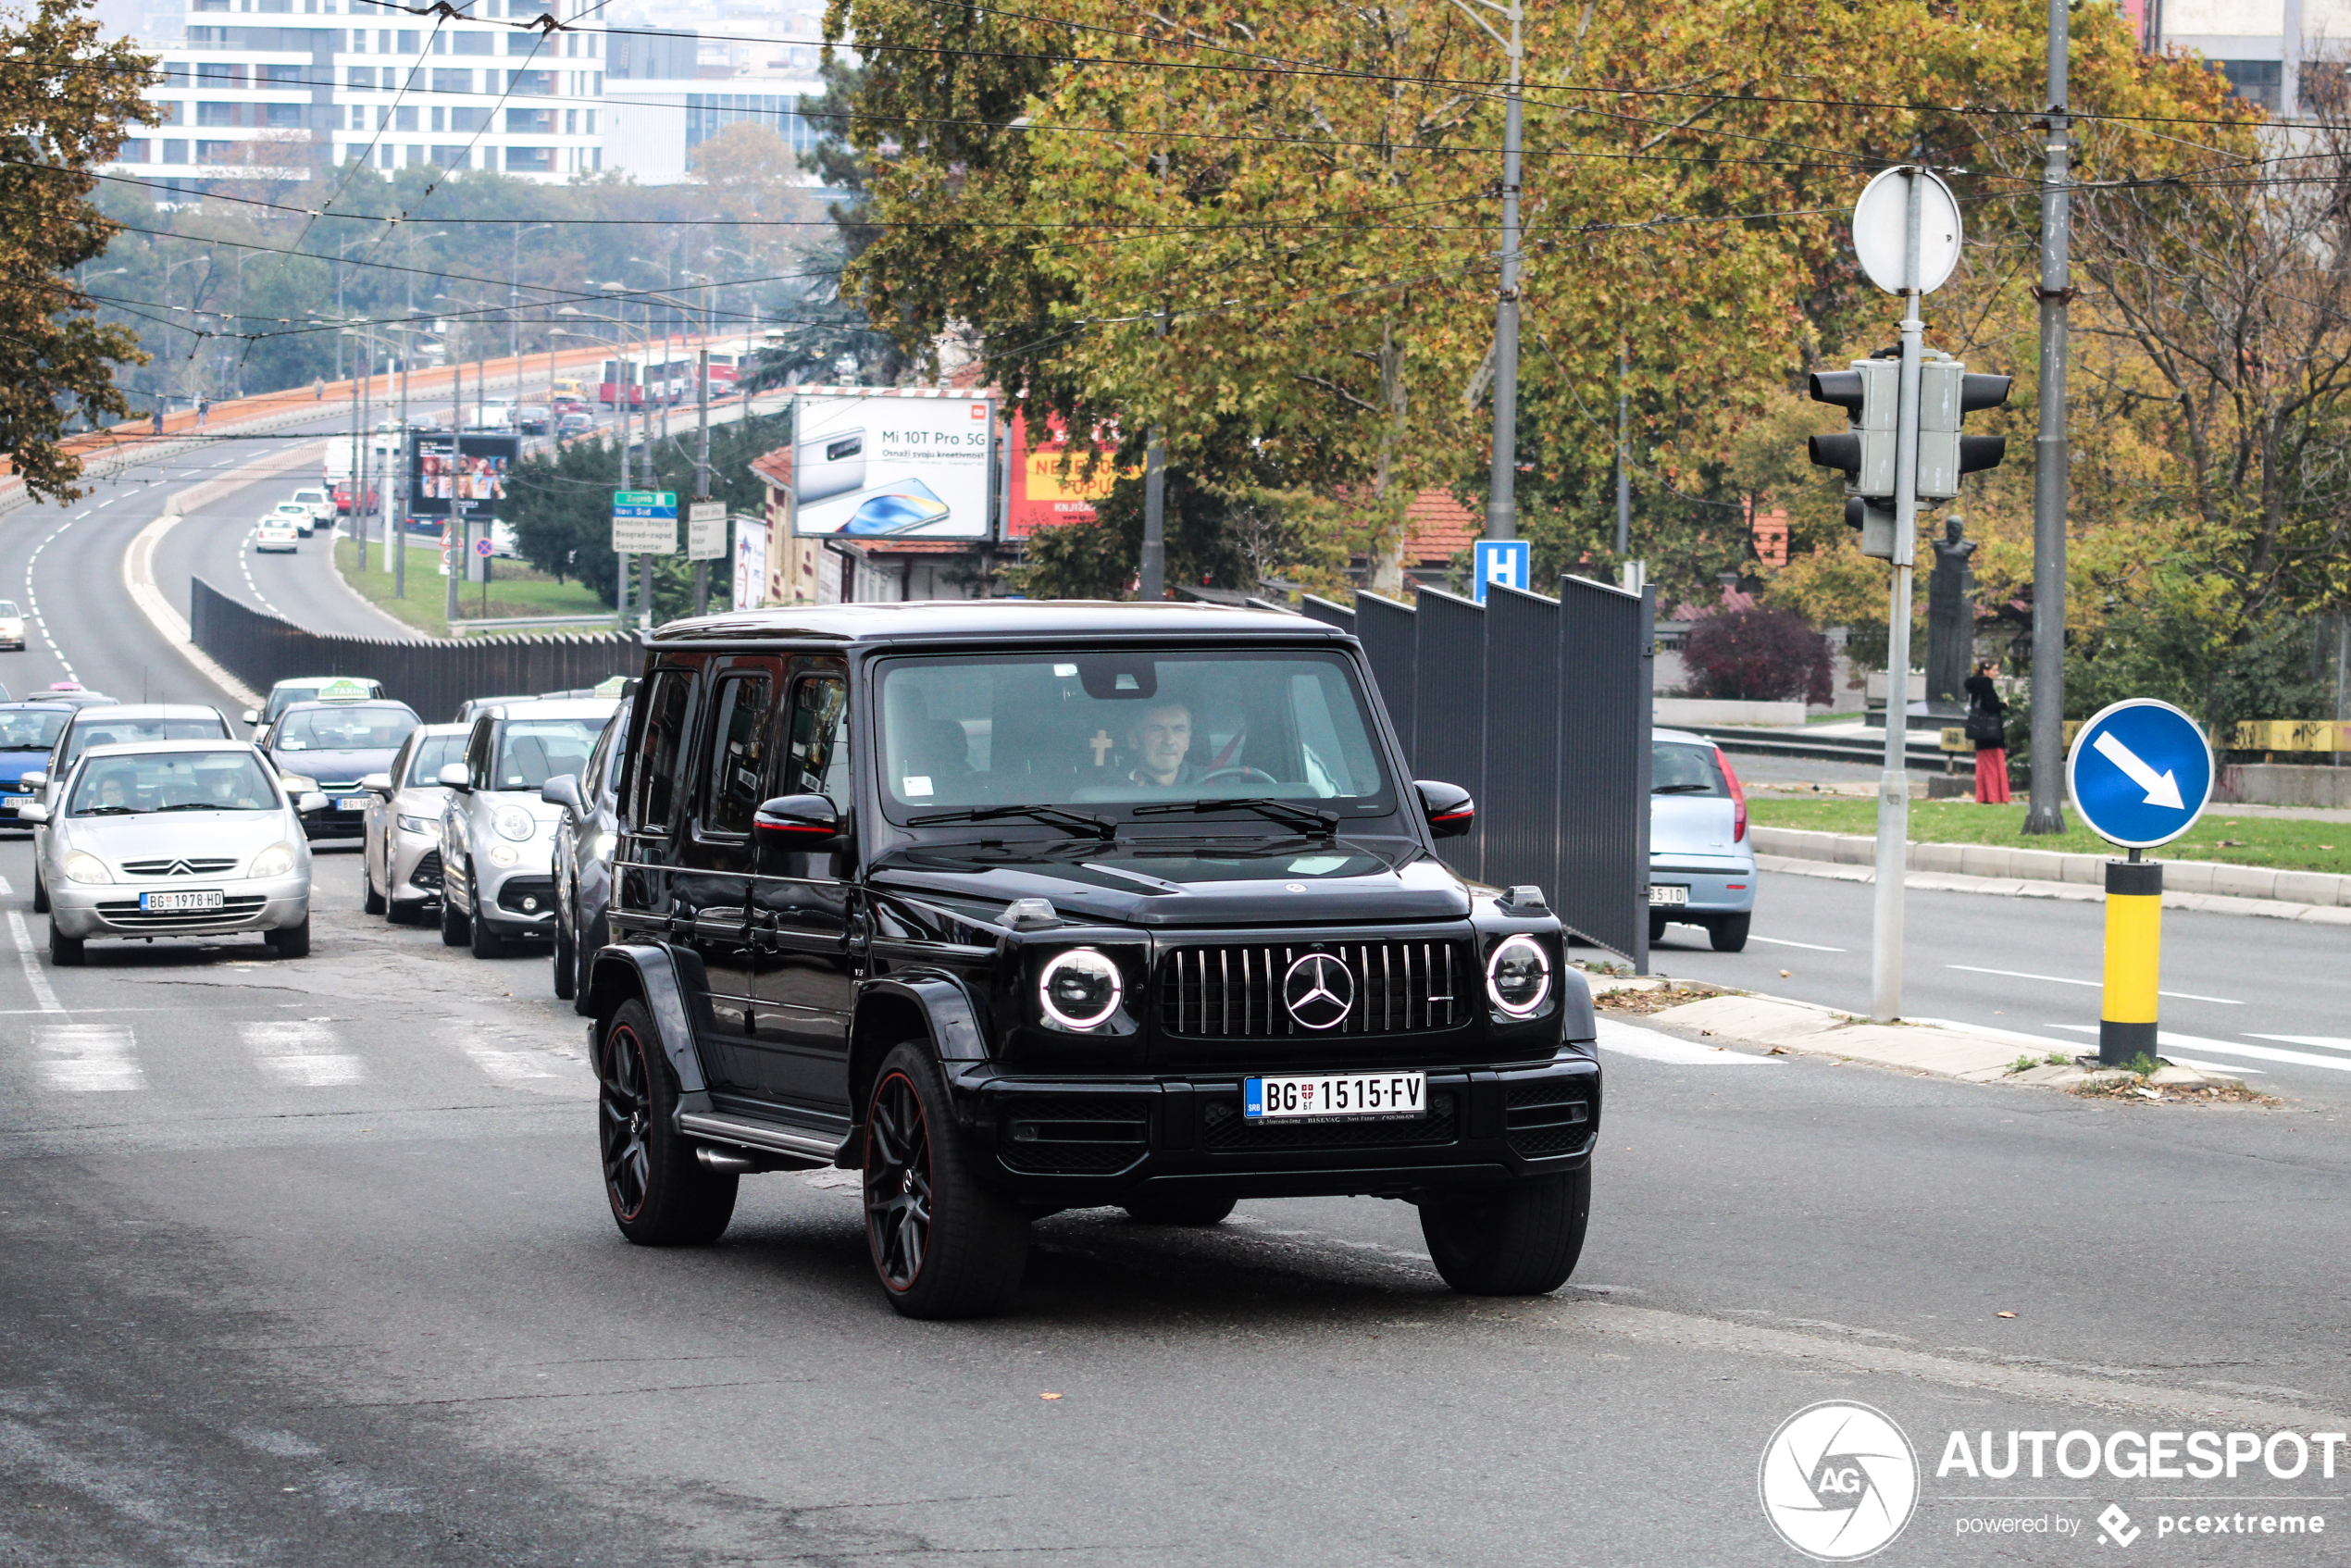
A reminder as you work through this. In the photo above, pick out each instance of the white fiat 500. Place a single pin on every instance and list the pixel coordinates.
(174, 839)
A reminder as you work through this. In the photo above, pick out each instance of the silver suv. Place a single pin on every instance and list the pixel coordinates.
(497, 836)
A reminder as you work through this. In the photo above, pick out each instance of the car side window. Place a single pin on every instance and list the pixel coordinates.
(660, 749)
(477, 755)
(398, 769)
(817, 759)
(738, 713)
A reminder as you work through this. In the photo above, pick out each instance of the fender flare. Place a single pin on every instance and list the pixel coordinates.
(945, 1005)
(652, 971)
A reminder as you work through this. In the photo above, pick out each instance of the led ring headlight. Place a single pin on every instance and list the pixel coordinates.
(1080, 989)
(1518, 977)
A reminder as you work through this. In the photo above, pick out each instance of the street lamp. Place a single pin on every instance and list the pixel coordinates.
(514, 308)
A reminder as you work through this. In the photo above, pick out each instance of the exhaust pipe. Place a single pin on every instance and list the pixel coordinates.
(726, 1162)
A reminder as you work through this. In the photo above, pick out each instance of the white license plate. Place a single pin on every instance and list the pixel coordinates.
(1366, 1096)
(210, 897)
(1664, 892)
(352, 803)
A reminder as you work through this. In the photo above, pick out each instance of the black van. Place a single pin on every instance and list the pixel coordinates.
(1020, 906)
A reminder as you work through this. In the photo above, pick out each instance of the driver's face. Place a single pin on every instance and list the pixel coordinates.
(1162, 737)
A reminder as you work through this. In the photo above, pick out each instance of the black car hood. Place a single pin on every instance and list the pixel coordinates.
(1187, 883)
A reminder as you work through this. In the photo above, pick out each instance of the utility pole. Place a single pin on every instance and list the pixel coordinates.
(1894, 784)
(652, 477)
(1624, 463)
(452, 526)
(701, 466)
(400, 508)
(1501, 498)
(2047, 812)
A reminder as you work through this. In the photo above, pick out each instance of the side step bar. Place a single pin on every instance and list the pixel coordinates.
(815, 1147)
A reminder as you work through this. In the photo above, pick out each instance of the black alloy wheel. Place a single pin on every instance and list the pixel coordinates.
(661, 1195)
(567, 962)
(943, 1245)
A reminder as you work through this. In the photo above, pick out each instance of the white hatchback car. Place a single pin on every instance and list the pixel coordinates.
(276, 533)
(321, 505)
(11, 626)
(174, 839)
(297, 513)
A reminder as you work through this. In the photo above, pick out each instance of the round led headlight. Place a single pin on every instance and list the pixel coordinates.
(1080, 989)
(1518, 977)
(515, 823)
(82, 866)
(275, 861)
(503, 855)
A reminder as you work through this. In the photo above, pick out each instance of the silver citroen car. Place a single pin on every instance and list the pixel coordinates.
(498, 836)
(403, 830)
(174, 839)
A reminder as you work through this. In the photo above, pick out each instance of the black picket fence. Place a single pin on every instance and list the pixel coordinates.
(433, 677)
(1541, 708)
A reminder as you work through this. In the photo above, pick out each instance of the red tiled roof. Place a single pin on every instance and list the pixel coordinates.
(1436, 527)
(774, 467)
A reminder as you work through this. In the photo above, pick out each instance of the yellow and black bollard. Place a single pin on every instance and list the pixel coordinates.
(2133, 959)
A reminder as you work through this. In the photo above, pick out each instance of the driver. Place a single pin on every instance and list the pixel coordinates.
(112, 795)
(1160, 738)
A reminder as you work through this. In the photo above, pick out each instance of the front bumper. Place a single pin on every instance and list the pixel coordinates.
(1075, 1142)
(518, 899)
(1713, 889)
(414, 872)
(111, 909)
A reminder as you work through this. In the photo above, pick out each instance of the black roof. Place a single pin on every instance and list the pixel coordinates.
(937, 619)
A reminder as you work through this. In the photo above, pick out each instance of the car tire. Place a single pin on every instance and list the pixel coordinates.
(290, 942)
(1186, 1211)
(1729, 932)
(1517, 1240)
(943, 1246)
(371, 902)
(661, 1195)
(1656, 927)
(485, 942)
(39, 895)
(567, 965)
(66, 952)
(456, 929)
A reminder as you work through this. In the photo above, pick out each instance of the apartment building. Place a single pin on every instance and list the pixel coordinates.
(2271, 51)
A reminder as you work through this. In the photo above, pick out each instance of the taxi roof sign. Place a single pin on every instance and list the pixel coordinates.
(612, 687)
(344, 688)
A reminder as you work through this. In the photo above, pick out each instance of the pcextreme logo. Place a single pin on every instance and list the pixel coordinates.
(1838, 1481)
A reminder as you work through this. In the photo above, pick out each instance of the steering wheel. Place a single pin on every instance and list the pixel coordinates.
(1244, 772)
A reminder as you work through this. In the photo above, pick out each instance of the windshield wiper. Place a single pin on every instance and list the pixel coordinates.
(206, 805)
(1284, 812)
(1680, 788)
(107, 811)
(1103, 827)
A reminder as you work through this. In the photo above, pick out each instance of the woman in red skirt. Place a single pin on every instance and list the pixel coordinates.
(1987, 721)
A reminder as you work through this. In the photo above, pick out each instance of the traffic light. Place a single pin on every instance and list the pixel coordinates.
(1870, 392)
(1946, 392)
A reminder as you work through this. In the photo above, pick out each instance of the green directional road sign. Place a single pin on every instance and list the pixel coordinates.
(644, 522)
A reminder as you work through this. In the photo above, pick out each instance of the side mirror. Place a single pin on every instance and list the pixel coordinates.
(33, 811)
(310, 800)
(377, 783)
(34, 778)
(455, 777)
(1448, 807)
(794, 825)
(253, 715)
(563, 791)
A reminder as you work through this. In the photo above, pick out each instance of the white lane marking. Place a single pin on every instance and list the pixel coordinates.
(2063, 980)
(507, 1066)
(2322, 1042)
(1783, 941)
(1652, 1045)
(85, 1058)
(2216, 1067)
(2230, 1048)
(245, 559)
(33, 599)
(224, 462)
(35, 982)
(5, 888)
(300, 1055)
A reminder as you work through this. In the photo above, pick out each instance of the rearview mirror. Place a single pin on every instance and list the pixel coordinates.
(310, 800)
(34, 778)
(453, 776)
(563, 791)
(33, 811)
(377, 783)
(1448, 807)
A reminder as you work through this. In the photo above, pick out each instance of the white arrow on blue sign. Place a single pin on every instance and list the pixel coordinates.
(2140, 773)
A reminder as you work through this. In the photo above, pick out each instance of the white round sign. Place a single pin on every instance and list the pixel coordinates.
(1880, 229)
(1840, 1481)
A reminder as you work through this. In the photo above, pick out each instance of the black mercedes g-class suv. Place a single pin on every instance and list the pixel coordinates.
(1020, 906)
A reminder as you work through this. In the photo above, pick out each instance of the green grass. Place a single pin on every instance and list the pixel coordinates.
(514, 590)
(2286, 843)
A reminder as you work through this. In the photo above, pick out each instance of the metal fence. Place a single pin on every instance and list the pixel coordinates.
(433, 677)
(1541, 708)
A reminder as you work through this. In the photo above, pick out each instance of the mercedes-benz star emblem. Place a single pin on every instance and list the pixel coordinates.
(1319, 992)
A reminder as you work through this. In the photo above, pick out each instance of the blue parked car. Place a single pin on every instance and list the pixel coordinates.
(1701, 862)
(29, 732)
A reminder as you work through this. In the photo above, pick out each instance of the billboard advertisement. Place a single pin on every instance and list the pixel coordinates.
(463, 475)
(750, 565)
(890, 468)
(1045, 494)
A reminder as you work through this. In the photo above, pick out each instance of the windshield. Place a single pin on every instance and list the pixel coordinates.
(531, 751)
(108, 731)
(1685, 770)
(134, 785)
(434, 753)
(1076, 728)
(29, 731)
(362, 726)
(9, 607)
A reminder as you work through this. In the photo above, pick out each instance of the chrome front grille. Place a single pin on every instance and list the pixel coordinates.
(1235, 992)
(187, 866)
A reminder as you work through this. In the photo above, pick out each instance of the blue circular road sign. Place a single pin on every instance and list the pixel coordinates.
(2140, 773)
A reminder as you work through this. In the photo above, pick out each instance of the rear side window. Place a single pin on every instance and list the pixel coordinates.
(738, 753)
(819, 761)
(1685, 770)
(660, 748)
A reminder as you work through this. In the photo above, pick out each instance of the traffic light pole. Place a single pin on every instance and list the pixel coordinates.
(1894, 785)
(2047, 812)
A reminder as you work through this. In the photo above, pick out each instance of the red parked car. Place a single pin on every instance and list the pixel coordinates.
(343, 499)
